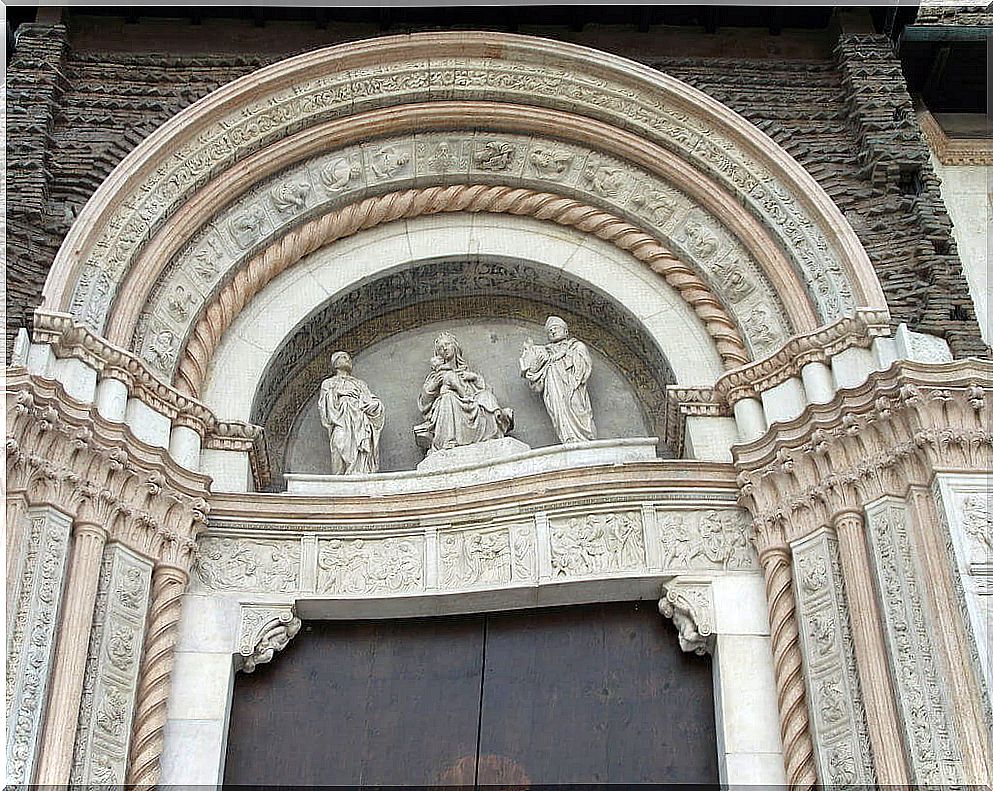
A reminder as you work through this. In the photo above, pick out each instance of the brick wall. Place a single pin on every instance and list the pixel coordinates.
(73, 115)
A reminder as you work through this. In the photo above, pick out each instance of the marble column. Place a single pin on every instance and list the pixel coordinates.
(750, 417)
(70, 656)
(787, 658)
(168, 585)
(870, 651)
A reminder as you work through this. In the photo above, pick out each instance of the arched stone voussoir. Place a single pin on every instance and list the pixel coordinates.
(220, 132)
(214, 320)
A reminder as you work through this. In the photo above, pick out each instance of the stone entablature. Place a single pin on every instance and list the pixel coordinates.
(527, 546)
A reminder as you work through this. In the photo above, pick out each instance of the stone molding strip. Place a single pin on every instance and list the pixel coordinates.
(820, 345)
(262, 268)
(678, 480)
(71, 339)
(951, 150)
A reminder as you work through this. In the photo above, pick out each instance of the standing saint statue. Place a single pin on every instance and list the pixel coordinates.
(559, 371)
(458, 407)
(354, 419)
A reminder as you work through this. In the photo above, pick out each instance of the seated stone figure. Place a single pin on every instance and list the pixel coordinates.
(458, 407)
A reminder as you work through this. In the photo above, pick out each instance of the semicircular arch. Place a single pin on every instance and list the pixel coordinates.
(168, 174)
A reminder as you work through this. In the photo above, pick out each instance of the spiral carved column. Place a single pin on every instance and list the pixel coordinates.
(794, 722)
(168, 585)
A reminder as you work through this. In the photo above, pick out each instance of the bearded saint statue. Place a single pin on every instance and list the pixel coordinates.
(559, 370)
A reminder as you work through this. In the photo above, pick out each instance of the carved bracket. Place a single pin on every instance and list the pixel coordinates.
(688, 601)
(265, 629)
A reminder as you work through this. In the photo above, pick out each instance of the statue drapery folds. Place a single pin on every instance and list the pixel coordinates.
(559, 371)
(354, 418)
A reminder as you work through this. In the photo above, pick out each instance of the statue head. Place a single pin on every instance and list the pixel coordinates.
(556, 328)
(448, 348)
(341, 361)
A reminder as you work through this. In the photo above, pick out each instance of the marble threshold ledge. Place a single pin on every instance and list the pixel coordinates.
(470, 469)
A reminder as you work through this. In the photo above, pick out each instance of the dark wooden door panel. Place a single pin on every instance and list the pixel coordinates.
(594, 694)
(348, 703)
(588, 694)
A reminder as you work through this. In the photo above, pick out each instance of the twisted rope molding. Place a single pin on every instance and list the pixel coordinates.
(168, 584)
(294, 245)
(794, 719)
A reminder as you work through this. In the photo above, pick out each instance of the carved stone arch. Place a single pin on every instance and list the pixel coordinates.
(168, 176)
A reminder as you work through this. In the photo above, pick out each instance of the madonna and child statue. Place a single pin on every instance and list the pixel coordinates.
(457, 408)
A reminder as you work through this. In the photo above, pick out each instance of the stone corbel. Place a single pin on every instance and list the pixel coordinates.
(689, 602)
(265, 629)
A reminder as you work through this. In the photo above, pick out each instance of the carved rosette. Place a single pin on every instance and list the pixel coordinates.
(688, 601)
(264, 630)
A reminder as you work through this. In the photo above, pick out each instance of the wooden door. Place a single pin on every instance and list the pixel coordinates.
(572, 695)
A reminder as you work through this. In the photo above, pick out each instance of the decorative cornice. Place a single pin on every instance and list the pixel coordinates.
(216, 317)
(61, 451)
(683, 402)
(69, 338)
(951, 150)
(820, 345)
(247, 438)
(892, 431)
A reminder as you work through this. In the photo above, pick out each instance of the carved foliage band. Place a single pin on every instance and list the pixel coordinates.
(31, 640)
(104, 730)
(934, 754)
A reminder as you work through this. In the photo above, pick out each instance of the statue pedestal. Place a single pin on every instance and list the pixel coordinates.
(469, 465)
(470, 455)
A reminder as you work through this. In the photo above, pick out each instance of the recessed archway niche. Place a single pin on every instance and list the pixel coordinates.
(492, 304)
(364, 284)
